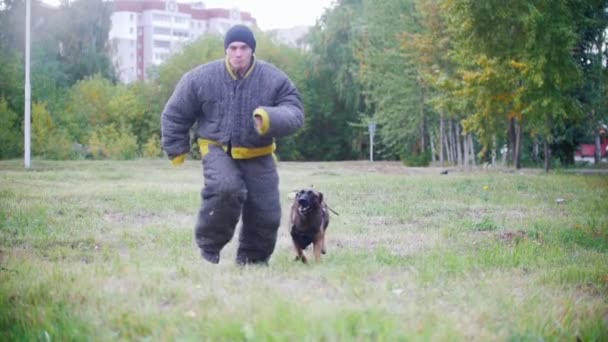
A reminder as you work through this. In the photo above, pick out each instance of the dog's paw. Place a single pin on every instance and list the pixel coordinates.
(300, 258)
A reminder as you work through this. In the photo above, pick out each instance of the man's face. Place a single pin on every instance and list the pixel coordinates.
(239, 56)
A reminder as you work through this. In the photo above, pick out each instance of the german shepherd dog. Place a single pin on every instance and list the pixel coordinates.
(309, 220)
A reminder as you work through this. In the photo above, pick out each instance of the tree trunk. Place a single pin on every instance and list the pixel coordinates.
(517, 152)
(459, 147)
(441, 139)
(472, 147)
(422, 130)
(597, 155)
(449, 144)
(431, 138)
(511, 142)
(547, 151)
(536, 151)
(466, 149)
(448, 147)
(494, 150)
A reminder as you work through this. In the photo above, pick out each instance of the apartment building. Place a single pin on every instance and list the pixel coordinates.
(145, 33)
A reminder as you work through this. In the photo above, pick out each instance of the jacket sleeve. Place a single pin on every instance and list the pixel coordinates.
(177, 118)
(288, 114)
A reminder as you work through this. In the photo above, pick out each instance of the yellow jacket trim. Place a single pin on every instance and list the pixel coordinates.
(179, 160)
(203, 146)
(265, 120)
(231, 72)
(237, 152)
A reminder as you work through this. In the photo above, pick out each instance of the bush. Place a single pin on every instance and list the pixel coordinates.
(112, 143)
(11, 135)
(48, 141)
(151, 148)
(423, 159)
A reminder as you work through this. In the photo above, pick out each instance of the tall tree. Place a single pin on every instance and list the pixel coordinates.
(83, 28)
(524, 69)
(592, 53)
(331, 90)
(393, 84)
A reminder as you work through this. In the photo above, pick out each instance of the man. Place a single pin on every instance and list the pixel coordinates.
(240, 104)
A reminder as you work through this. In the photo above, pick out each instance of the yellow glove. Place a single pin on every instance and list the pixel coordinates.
(262, 124)
(179, 160)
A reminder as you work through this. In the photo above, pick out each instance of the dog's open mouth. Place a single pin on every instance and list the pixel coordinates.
(304, 209)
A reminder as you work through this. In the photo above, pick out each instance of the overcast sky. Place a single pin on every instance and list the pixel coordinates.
(270, 14)
(273, 14)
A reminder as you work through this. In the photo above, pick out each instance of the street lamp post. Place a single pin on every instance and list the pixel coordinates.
(28, 90)
(371, 127)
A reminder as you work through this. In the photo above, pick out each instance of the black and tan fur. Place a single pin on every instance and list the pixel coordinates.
(309, 220)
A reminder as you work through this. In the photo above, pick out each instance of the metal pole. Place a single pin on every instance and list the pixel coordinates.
(27, 120)
(371, 127)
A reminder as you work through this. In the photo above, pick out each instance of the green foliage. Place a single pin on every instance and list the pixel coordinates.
(48, 141)
(205, 49)
(11, 137)
(522, 65)
(112, 142)
(391, 79)
(152, 148)
(331, 92)
(11, 80)
(82, 28)
(416, 160)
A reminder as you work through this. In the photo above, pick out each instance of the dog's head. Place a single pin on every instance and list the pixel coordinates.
(308, 199)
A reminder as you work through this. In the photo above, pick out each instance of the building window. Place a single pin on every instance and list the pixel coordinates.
(181, 20)
(162, 44)
(162, 30)
(131, 30)
(161, 17)
(131, 17)
(180, 34)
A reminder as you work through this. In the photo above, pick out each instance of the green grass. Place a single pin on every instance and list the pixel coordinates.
(105, 251)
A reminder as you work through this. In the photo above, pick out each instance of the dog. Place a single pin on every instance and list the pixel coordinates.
(309, 221)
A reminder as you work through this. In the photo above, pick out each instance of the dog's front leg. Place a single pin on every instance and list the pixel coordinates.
(300, 252)
(318, 248)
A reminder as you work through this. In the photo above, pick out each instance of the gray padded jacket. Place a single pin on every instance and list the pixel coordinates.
(223, 106)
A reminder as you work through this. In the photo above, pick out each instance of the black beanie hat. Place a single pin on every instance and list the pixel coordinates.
(239, 33)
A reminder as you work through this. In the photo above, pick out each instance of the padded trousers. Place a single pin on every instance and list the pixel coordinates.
(246, 189)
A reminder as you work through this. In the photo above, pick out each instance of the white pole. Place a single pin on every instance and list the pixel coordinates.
(371, 127)
(27, 120)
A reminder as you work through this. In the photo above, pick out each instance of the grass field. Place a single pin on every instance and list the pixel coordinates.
(105, 251)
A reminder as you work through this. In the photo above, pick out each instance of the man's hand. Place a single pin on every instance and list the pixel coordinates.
(258, 122)
(261, 121)
(179, 160)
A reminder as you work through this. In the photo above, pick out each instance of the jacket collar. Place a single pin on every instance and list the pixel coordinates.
(233, 74)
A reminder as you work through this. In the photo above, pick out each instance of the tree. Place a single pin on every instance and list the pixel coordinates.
(523, 69)
(591, 52)
(11, 142)
(82, 38)
(392, 82)
(330, 89)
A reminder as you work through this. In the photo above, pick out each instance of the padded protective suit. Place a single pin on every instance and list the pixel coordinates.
(239, 169)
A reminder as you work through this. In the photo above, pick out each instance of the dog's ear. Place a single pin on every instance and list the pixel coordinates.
(320, 197)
